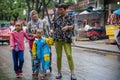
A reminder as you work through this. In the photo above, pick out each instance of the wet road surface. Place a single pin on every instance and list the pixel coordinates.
(89, 65)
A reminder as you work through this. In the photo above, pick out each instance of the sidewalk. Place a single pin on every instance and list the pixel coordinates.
(98, 45)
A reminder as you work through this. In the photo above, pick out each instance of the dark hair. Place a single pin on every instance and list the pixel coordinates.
(62, 5)
(20, 24)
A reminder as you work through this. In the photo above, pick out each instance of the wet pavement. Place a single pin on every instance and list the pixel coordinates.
(98, 45)
(89, 65)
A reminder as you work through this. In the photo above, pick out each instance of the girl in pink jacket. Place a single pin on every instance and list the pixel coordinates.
(17, 47)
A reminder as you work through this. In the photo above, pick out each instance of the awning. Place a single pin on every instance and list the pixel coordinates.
(80, 4)
(117, 11)
(111, 1)
(89, 16)
(84, 12)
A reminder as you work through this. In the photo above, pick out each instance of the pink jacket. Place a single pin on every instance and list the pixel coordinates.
(18, 37)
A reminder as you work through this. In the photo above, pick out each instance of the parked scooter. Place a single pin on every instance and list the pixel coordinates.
(96, 33)
(117, 37)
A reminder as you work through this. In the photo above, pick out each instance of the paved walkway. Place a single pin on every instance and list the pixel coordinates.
(98, 45)
(89, 65)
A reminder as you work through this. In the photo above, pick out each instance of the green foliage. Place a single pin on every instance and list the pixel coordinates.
(12, 8)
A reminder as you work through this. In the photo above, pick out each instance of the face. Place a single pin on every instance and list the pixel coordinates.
(34, 16)
(18, 26)
(61, 11)
(39, 33)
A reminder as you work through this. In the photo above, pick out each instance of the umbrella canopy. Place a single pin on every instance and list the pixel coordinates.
(84, 12)
(90, 16)
(117, 11)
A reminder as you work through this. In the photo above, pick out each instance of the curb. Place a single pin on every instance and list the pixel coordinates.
(118, 52)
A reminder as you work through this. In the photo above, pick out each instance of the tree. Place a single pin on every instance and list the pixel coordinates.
(11, 9)
(36, 5)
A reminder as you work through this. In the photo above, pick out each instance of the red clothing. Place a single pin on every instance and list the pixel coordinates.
(31, 43)
(18, 37)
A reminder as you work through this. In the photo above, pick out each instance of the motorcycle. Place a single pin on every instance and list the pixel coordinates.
(117, 37)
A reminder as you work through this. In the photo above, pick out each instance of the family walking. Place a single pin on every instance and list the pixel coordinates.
(40, 50)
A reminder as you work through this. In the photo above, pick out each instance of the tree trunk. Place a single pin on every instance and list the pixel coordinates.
(45, 7)
(29, 9)
(37, 4)
(16, 16)
(33, 2)
(61, 1)
(39, 8)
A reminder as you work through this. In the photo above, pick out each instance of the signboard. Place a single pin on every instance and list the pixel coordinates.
(85, 2)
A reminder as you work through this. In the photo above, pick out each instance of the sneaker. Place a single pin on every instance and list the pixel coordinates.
(17, 75)
(73, 77)
(47, 71)
(59, 76)
(42, 78)
(36, 75)
(20, 71)
(33, 74)
(50, 69)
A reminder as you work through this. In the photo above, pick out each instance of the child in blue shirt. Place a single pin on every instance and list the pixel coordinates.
(41, 54)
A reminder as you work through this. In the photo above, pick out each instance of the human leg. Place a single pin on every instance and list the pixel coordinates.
(68, 51)
(58, 46)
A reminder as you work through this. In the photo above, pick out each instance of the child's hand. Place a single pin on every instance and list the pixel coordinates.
(34, 57)
(34, 35)
(11, 48)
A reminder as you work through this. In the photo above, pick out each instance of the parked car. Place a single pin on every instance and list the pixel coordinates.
(4, 31)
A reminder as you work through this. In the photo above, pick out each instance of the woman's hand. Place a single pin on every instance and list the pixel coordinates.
(65, 28)
(71, 27)
(51, 32)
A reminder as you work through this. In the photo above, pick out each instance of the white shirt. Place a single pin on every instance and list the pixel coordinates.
(87, 27)
(12, 28)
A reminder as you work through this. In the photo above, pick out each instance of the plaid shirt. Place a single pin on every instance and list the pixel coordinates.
(58, 24)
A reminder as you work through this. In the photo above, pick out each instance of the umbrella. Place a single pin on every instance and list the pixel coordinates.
(117, 11)
(84, 12)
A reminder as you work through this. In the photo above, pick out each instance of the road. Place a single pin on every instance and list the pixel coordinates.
(89, 65)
